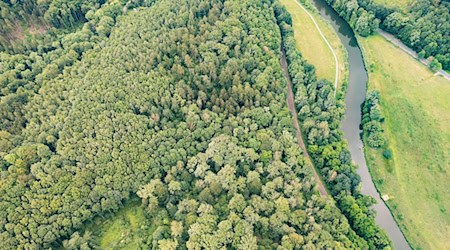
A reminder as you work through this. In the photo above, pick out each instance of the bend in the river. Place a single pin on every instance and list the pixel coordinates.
(356, 93)
(336, 62)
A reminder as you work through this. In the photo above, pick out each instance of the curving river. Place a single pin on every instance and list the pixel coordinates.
(356, 93)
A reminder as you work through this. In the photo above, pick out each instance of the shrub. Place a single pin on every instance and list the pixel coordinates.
(387, 153)
(435, 65)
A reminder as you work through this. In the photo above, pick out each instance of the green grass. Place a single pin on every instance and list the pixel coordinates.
(126, 229)
(402, 4)
(416, 106)
(313, 47)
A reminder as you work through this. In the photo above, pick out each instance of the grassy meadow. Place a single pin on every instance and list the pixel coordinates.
(123, 229)
(313, 47)
(416, 105)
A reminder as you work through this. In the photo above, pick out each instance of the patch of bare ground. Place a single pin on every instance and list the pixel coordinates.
(18, 32)
(37, 28)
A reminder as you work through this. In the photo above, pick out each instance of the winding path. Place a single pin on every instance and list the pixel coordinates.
(411, 52)
(336, 79)
(291, 105)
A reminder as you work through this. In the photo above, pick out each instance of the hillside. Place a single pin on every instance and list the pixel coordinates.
(184, 104)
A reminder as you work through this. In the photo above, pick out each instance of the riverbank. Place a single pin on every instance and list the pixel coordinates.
(314, 47)
(411, 52)
(355, 96)
(414, 105)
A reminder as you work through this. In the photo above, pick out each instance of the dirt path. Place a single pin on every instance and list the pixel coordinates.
(291, 105)
(336, 79)
(411, 52)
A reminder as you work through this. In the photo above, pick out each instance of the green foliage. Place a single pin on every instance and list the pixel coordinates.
(76, 241)
(425, 27)
(422, 54)
(387, 153)
(182, 102)
(374, 134)
(281, 214)
(23, 74)
(372, 120)
(395, 22)
(366, 24)
(32, 14)
(362, 21)
(435, 65)
(320, 114)
(372, 124)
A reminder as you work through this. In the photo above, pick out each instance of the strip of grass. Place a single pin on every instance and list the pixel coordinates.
(416, 106)
(313, 47)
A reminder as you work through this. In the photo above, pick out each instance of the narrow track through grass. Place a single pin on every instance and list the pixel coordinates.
(318, 43)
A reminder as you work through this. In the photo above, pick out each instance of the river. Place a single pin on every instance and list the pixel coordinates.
(356, 93)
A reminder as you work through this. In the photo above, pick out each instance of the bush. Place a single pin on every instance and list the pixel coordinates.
(422, 54)
(435, 65)
(387, 153)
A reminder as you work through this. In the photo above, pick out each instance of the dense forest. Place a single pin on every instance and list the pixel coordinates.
(28, 64)
(33, 25)
(424, 27)
(17, 18)
(183, 104)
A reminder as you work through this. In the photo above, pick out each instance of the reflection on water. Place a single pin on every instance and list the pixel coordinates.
(356, 93)
(344, 31)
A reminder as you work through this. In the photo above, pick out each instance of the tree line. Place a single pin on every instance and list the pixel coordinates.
(372, 120)
(17, 18)
(372, 124)
(362, 21)
(424, 26)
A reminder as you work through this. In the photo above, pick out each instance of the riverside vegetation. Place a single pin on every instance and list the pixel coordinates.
(320, 114)
(411, 166)
(424, 27)
(312, 46)
(404, 110)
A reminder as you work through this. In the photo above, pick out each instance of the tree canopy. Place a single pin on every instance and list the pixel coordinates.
(424, 27)
(183, 103)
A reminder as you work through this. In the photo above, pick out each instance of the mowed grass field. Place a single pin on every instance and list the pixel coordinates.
(416, 106)
(313, 47)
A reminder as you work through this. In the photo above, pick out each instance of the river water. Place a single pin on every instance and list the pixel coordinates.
(356, 93)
